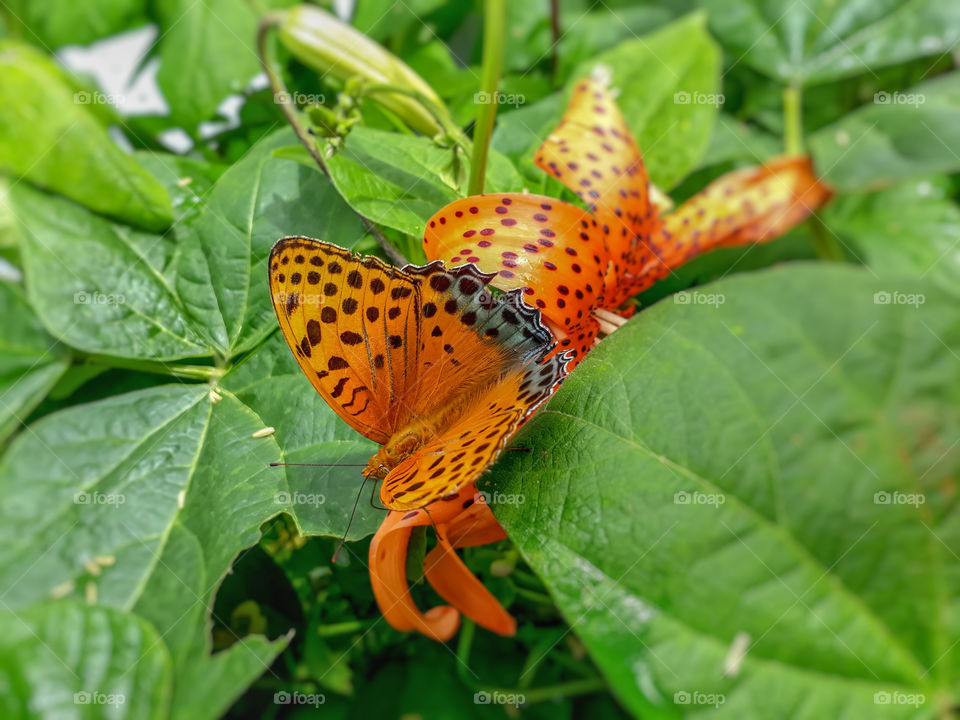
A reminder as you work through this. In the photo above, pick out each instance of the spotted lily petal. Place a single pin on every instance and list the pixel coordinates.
(460, 522)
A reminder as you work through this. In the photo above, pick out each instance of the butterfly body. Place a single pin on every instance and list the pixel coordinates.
(422, 360)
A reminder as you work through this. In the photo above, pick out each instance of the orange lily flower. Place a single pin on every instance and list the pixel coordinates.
(579, 266)
(461, 520)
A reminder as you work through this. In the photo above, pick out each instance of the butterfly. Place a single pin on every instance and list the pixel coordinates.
(578, 264)
(423, 360)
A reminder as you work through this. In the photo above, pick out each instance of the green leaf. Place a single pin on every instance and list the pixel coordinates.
(66, 659)
(222, 268)
(97, 287)
(149, 497)
(31, 361)
(55, 23)
(49, 136)
(910, 229)
(187, 181)
(901, 135)
(772, 461)
(308, 431)
(207, 51)
(819, 40)
(401, 180)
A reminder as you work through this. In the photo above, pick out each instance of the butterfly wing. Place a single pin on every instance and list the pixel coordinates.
(475, 438)
(350, 324)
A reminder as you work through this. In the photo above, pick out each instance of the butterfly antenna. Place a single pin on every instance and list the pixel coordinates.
(356, 502)
(435, 528)
(276, 464)
(373, 491)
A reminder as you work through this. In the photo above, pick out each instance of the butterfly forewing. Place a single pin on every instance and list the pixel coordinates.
(322, 295)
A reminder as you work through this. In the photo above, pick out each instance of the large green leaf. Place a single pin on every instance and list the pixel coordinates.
(222, 272)
(207, 51)
(766, 465)
(148, 497)
(308, 431)
(31, 361)
(49, 135)
(910, 229)
(97, 286)
(69, 660)
(401, 180)
(818, 40)
(900, 135)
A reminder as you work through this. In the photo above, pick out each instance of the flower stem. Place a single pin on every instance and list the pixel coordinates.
(531, 695)
(793, 119)
(494, 22)
(824, 242)
(343, 628)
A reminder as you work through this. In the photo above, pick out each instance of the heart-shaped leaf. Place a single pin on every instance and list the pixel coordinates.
(739, 485)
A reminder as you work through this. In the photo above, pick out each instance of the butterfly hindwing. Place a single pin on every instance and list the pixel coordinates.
(475, 438)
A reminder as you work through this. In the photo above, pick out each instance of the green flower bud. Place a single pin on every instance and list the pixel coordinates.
(322, 42)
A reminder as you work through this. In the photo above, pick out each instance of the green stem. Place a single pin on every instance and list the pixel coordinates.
(793, 119)
(824, 242)
(270, 21)
(533, 595)
(342, 628)
(494, 27)
(540, 694)
(192, 372)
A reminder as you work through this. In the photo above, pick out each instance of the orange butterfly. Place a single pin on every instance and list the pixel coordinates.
(575, 264)
(422, 360)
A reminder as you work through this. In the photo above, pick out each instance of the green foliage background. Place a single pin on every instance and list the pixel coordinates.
(714, 471)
